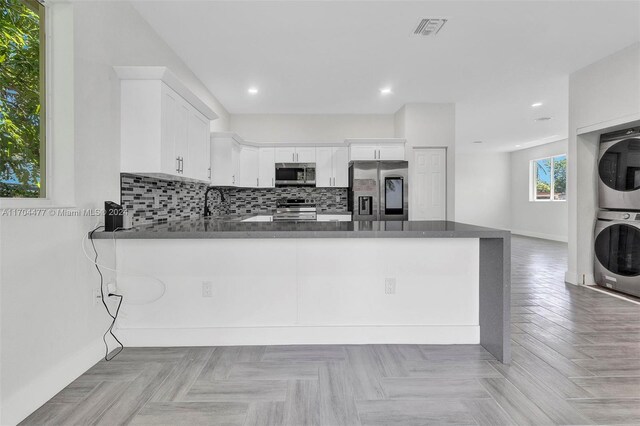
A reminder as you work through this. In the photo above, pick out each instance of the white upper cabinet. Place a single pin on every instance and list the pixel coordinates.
(286, 154)
(341, 167)
(300, 154)
(164, 127)
(249, 165)
(376, 149)
(363, 152)
(197, 166)
(225, 160)
(324, 167)
(306, 154)
(266, 167)
(391, 152)
(332, 167)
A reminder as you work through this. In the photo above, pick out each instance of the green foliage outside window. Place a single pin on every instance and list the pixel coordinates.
(21, 94)
(560, 176)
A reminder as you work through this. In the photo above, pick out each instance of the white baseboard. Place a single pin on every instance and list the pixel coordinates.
(572, 278)
(552, 237)
(579, 279)
(301, 335)
(25, 401)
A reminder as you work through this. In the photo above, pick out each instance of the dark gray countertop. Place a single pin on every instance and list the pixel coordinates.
(232, 228)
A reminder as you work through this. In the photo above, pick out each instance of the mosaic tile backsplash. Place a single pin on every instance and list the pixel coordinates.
(152, 200)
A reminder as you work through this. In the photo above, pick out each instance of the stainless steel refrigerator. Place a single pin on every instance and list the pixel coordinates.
(379, 190)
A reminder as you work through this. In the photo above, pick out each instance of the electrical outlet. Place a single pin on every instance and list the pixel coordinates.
(97, 296)
(207, 289)
(337, 198)
(390, 286)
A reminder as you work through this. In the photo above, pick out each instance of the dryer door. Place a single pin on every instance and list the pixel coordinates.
(619, 171)
(617, 248)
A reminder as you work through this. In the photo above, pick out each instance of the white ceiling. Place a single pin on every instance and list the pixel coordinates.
(494, 59)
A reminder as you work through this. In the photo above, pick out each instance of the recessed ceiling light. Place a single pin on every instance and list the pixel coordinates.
(252, 90)
(385, 91)
(543, 119)
(477, 141)
(537, 104)
(517, 146)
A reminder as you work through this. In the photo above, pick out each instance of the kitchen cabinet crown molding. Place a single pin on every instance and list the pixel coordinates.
(170, 79)
(308, 144)
(375, 141)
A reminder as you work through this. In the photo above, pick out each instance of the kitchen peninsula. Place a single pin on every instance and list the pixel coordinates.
(231, 282)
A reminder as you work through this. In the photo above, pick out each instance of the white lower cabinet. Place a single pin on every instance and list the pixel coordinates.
(266, 167)
(332, 167)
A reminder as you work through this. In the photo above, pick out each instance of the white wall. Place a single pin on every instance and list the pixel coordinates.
(603, 96)
(310, 127)
(425, 125)
(536, 219)
(483, 190)
(50, 328)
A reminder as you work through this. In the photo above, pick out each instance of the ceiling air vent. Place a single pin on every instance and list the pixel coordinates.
(430, 26)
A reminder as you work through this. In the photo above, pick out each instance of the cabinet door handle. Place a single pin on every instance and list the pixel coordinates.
(209, 172)
(293, 157)
(257, 181)
(273, 183)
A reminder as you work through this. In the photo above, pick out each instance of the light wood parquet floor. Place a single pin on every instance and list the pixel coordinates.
(576, 360)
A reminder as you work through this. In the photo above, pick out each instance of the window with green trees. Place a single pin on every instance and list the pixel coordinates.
(22, 106)
(549, 179)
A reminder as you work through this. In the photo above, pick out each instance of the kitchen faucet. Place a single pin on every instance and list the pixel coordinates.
(207, 210)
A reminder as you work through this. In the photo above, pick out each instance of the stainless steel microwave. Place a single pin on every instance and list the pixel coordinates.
(295, 174)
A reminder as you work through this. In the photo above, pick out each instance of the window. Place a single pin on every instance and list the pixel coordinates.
(549, 179)
(22, 106)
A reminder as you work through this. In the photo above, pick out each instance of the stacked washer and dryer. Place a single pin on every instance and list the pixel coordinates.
(617, 232)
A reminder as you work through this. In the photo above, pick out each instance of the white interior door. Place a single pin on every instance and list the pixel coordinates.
(429, 184)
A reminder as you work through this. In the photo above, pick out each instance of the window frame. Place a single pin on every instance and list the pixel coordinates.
(45, 198)
(533, 177)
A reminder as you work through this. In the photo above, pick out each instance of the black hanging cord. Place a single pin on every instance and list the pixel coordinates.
(114, 317)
